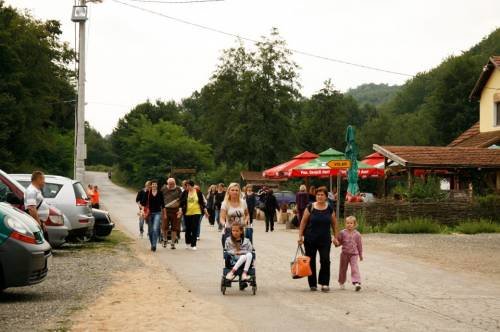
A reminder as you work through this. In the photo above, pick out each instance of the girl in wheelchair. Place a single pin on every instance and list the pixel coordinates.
(240, 250)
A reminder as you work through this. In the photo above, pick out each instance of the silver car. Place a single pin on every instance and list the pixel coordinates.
(70, 197)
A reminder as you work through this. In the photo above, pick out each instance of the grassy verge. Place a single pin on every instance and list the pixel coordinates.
(116, 240)
(475, 227)
(426, 226)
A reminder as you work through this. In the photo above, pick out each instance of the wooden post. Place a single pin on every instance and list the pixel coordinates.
(410, 178)
(386, 187)
(498, 181)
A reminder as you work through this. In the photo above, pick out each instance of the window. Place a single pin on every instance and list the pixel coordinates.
(79, 191)
(4, 191)
(50, 190)
(497, 113)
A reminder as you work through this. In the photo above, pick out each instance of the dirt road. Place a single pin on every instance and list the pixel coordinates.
(400, 293)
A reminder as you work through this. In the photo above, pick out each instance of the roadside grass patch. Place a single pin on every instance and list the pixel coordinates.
(414, 226)
(476, 227)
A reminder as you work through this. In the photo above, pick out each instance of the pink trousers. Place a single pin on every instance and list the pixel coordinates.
(345, 261)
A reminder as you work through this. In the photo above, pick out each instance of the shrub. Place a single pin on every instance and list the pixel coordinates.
(429, 189)
(413, 225)
(479, 226)
(489, 206)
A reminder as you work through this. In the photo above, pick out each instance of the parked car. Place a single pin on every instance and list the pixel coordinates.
(103, 224)
(70, 197)
(24, 253)
(285, 197)
(56, 223)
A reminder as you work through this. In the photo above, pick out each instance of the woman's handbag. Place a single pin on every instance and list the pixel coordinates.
(300, 266)
(145, 210)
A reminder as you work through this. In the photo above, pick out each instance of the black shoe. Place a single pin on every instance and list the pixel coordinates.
(313, 289)
(153, 249)
(357, 287)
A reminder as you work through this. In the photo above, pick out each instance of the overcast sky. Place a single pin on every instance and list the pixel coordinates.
(134, 55)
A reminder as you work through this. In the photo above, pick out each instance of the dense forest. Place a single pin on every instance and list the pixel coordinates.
(36, 95)
(250, 115)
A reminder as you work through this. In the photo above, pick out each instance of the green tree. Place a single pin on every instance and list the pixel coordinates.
(36, 95)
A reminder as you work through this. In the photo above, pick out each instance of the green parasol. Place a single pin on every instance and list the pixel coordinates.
(351, 152)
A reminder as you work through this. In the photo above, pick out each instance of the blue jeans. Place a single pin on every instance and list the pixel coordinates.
(199, 226)
(217, 218)
(141, 225)
(154, 228)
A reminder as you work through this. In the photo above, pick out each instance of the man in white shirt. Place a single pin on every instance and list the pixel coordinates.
(33, 198)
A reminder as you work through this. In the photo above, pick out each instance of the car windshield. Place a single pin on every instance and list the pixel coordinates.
(50, 190)
(79, 191)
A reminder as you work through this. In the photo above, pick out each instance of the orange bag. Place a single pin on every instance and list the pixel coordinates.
(300, 265)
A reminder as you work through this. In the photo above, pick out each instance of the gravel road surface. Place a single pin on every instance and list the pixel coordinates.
(403, 289)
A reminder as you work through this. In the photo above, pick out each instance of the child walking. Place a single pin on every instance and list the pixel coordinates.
(352, 250)
(241, 249)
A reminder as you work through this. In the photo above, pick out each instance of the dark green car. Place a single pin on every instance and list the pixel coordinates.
(24, 253)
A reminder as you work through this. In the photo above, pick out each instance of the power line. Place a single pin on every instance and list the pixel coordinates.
(296, 51)
(177, 2)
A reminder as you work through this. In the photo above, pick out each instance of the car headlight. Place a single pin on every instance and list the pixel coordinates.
(20, 231)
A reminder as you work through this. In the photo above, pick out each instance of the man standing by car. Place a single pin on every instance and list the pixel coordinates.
(171, 196)
(33, 198)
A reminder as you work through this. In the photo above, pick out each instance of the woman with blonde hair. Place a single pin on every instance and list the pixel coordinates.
(233, 210)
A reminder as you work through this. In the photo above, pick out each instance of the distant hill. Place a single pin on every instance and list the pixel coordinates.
(432, 108)
(375, 94)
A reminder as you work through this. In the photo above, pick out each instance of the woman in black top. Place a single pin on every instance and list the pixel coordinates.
(211, 204)
(154, 201)
(219, 198)
(315, 234)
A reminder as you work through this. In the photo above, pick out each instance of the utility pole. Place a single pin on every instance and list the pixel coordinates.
(80, 16)
(80, 153)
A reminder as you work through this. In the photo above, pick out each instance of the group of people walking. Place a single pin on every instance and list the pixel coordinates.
(232, 210)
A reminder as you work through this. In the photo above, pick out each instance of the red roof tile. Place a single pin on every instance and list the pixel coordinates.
(474, 139)
(441, 157)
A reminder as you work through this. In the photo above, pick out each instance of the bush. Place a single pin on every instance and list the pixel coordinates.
(489, 206)
(429, 189)
(479, 226)
(98, 168)
(413, 225)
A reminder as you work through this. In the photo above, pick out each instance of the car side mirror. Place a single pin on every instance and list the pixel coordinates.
(12, 199)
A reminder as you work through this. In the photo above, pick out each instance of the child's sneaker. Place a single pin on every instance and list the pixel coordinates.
(357, 286)
(245, 276)
(230, 275)
(342, 286)
(194, 248)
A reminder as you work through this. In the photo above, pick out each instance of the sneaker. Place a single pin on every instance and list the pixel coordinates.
(325, 288)
(342, 286)
(194, 248)
(172, 246)
(164, 244)
(245, 276)
(357, 287)
(313, 289)
(153, 249)
(230, 275)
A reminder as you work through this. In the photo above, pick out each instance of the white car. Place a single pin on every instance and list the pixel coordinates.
(70, 197)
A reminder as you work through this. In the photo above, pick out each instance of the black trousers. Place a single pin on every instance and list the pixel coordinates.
(211, 216)
(251, 212)
(270, 220)
(191, 229)
(323, 247)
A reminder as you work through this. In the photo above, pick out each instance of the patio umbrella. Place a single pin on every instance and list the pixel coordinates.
(283, 170)
(351, 152)
(376, 160)
(318, 167)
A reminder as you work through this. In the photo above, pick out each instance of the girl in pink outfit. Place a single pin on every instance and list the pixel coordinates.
(352, 249)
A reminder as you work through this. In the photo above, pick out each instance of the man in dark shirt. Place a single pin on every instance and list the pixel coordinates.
(171, 197)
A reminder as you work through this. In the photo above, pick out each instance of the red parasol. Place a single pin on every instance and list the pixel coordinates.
(283, 170)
